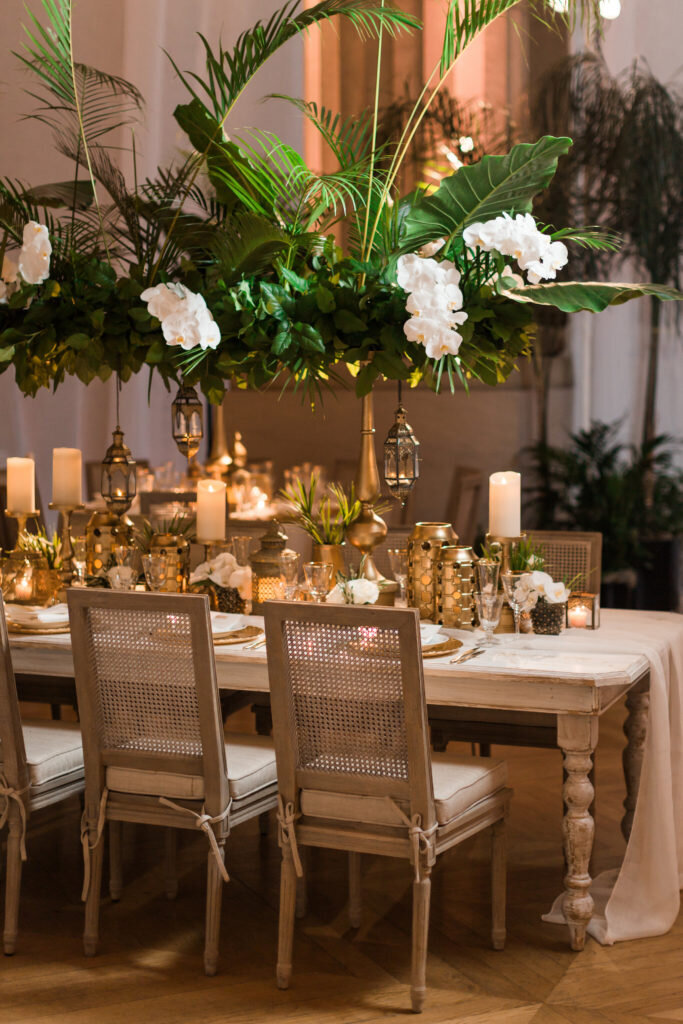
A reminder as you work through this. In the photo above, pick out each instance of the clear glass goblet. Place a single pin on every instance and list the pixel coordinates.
(289, 573)
(487, 573)
(398, 560)
(80, 556)
(239, 547)
(156, 569)
(489, 607)
(319, 579)
(122, 577)
(513, 595)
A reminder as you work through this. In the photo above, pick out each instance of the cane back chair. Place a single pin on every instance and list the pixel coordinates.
(153, 737)
(354, 767)
(566, 554)
(41, 763)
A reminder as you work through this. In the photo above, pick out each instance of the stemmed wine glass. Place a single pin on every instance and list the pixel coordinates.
(156, 570)
(398, 559)
(489, 606)
(319, 578)
(513, 595)
(289, 573)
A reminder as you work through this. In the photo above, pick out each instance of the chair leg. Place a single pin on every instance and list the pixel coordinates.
(115, 860)
(92, 901)
(302, 883)
(498, 880)
(264, 823)
(286, 926)
(13, 880)
(418, 974)
(171, 862)
(214, 899)
(355, 905)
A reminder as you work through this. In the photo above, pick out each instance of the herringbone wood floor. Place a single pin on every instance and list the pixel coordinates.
(149, 968)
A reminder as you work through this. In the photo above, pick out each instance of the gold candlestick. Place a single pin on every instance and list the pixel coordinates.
(369, 529)
(21, 518)
(67, 572)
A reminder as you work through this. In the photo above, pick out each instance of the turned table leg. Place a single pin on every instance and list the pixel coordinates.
(635, 730)
(577, 736)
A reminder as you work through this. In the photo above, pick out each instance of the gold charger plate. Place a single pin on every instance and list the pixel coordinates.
(238, 636)
(445, 647)
(15, 627)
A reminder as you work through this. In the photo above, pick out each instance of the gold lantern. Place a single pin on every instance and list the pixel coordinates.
(424, 546)
(265, 566)
(187, 423)
(454, 587)
(401, 455)
(118, 475)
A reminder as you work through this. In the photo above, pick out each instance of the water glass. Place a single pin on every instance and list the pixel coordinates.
(239, 546)
(514, 598)
(122, 577)
(319, 579)
(398, 559)
(122, 554)
(80, 557)
(156, 569)
(487, 572)
(289, 573)
(489, 607)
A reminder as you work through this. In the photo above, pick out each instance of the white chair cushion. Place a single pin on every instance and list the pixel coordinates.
(459, 783)
(251, 767)
(54, 754)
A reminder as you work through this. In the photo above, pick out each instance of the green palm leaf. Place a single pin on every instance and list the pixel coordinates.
(495, 185)
(592, 296)
(349, 138)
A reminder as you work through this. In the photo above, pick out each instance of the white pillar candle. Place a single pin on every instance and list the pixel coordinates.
(505, 503)
(21, 485)
(67, 476)
(211, 508)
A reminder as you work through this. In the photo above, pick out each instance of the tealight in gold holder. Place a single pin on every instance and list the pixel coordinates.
(23, 570)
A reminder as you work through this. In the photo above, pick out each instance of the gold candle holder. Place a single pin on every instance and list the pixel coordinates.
(67, 572)
(22, 569)
(21, 518)
(207, 545)
(369, 529)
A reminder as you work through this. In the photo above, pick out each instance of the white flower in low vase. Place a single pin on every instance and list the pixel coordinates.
(546, 600)
(353, 590)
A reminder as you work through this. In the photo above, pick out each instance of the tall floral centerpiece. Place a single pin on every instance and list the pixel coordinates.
(225, 267)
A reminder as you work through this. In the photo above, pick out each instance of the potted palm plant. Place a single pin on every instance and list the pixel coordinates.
(325, 519)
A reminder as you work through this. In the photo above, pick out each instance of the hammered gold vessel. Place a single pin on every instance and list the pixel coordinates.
(424, 546)
(177, 550)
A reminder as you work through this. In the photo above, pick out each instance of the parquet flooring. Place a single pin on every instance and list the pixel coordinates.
(149, 970)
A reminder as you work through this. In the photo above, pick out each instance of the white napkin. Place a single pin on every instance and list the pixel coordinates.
(223, 622)
(430, 633)
(34, 615)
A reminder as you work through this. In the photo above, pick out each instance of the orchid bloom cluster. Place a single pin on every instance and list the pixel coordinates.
(535, 252)
(434, 302)
(224, 571)
(33, 265)
(185, 318)
(539, 586)
(353, 591)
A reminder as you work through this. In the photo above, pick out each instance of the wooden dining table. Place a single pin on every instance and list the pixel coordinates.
(560, 678)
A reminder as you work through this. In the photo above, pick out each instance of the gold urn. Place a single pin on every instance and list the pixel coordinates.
(454, 587)
(102, 534)
(424, 546)
(177, 550)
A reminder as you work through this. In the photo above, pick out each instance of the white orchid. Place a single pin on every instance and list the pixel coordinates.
(435, 302)
(519, 237)
(224, 571)
(186, 320)
(34, 258)
(354, 591)
(241, 579)
(545, 588)
(466, 144)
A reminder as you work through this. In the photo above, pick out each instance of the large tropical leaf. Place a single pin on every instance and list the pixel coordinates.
(73, 194)
(592, 296)
(250, 244)
(495, 185)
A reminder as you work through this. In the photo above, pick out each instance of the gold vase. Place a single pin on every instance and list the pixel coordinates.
(424, 546)
(334, 554)
(369, 530)
(454, 587)
(177, 550)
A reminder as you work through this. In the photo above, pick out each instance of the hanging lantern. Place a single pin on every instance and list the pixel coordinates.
(118, 475)
(401, 456)
(265, 567)
(187, 414)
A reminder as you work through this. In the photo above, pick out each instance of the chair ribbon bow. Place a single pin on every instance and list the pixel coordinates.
(204, 822)
(420, 838)
(85, 841)
(10, 793)
(286, 816)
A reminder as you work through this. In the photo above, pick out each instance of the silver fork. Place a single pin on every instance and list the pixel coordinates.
(466, 655)
(259, 642)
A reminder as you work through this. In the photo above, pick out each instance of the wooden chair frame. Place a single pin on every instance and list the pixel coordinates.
(15, 789)
(101, 806)
(298, 829)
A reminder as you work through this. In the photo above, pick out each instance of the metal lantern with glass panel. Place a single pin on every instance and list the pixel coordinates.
(266, 584)
(118, 475)
(401, 456)
(187, 414)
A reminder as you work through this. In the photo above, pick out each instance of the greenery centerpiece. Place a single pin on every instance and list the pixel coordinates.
(224, 266)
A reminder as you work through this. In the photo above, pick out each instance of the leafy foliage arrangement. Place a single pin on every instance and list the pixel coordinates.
(325, 520)
(245, 223)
